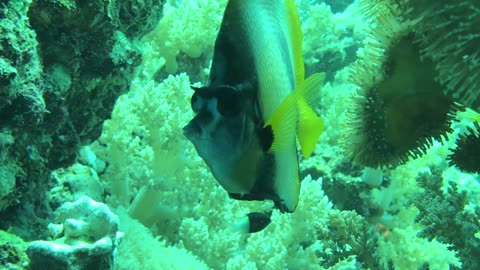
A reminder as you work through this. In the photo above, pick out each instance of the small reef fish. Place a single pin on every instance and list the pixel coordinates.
(256, 103)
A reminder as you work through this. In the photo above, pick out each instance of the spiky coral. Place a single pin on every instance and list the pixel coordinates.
(466, 155)
(450, 36)
(399, 109)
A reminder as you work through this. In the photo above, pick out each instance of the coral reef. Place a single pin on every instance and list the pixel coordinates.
(65, 135)
(332, 46)
(140, 250)
(72, 183)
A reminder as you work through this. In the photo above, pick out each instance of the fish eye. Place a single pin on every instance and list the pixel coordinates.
(228, 104)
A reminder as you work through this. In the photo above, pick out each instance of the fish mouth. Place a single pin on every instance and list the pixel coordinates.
(192, 129)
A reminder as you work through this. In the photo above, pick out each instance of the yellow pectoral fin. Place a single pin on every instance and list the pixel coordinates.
(310, 125)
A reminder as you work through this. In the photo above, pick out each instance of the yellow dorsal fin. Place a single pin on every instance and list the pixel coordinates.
(295, 113)
(310, 125)
(295, 32)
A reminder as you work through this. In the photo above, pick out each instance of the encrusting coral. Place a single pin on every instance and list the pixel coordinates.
(12, 251)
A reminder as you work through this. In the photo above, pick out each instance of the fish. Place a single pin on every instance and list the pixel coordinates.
(256, 104)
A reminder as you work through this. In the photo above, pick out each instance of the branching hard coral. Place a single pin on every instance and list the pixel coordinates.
(352, 230)
(445, 218)
(152, 169)
(399, 108)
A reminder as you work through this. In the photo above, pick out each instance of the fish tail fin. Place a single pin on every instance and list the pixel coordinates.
(310, 126)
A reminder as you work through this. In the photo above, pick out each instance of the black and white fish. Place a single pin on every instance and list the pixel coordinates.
(256, 103)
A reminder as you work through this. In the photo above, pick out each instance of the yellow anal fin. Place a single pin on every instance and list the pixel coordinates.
(295, 113)
(310, 125)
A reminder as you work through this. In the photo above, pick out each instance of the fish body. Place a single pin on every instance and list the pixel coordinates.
(256, 104)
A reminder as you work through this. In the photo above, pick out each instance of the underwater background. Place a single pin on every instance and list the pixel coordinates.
(95, 172)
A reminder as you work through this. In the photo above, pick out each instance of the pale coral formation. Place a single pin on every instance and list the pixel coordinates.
(188, 27)
(85, 236)
(139, 250)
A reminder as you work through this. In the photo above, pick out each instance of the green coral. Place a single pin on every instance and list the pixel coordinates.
(445, 218)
